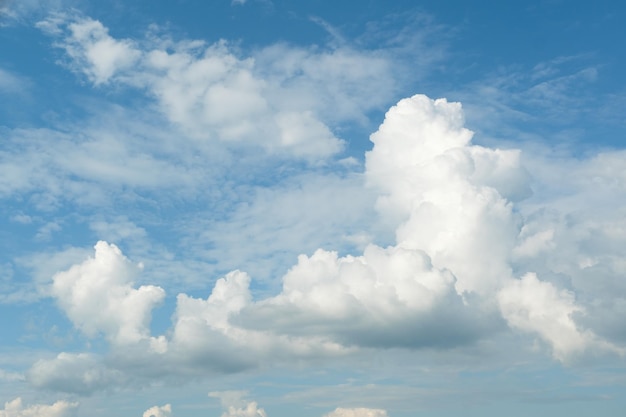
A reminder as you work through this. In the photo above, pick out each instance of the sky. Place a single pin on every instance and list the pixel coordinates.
(274, 208)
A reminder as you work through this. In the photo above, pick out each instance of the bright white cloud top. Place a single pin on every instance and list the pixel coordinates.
(192, 211)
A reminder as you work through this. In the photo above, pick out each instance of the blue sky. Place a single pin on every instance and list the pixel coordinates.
(277, 208)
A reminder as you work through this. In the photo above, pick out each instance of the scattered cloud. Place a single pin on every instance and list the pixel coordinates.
(156, 411)
(80, 373)
(58, 409)
(251, 410)
(538, 307)
(98, 297)
(11, 83)
(357, 412)
(235, 404)
(425, 247)
(208, 90)
(448, 281)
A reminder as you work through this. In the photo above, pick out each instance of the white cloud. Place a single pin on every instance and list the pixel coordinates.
(156, 411)
(250, 410)
(456, 237)
(80, 373)
(534, 306)
(466, 226)
(385, 298)
(212, 93)
(339, 84)
(93, 51)
(357, 412)
(98, 297)
(573, 233)
(58, 409)
(281, 98)
(204, 338)
(305, 134)
(102, 161)
(442, 189)
(236, 405)
(448, 280)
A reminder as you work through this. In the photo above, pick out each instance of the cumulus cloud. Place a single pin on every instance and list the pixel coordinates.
(443, 192)
(236, 405)
(283, 98)
(447, 281)
(208, 90)
(80, 373)
(457, 235)
(15, 408)
(357, 412)
(98, 297)
(455, 202)
(97, 163)
(252, 409)
(216, 99)
(156, 411)
(204, 337)
(455, 232)
(386, 298)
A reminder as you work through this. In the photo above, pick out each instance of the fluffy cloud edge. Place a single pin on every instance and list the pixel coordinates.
(16, 408)
(449, 270)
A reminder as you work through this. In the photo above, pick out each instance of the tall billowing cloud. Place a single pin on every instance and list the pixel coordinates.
(236, 406)
(448, 195)
(448, 280)
(81, 373)
(456, 230)
(539, 307)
